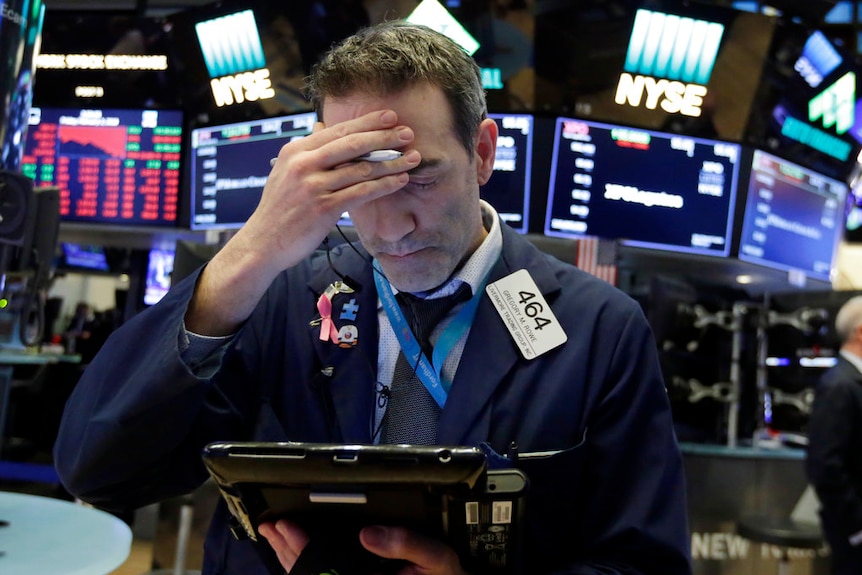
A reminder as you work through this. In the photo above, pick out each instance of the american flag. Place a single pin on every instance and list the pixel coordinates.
(597, 256)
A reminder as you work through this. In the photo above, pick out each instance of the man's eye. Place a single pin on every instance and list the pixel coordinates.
(422, 184)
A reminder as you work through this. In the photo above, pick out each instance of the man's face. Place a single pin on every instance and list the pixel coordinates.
(422, 232)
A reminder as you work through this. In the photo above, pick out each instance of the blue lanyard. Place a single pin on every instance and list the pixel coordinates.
(429, 373)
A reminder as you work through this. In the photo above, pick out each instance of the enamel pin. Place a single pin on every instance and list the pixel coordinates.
(328, 330)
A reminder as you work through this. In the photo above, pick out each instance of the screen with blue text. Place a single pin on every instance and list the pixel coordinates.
(794, 217)
(508, 190)
(230, 164)
(648, 189)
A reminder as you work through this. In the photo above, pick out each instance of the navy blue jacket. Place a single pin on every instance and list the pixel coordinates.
(609, 497)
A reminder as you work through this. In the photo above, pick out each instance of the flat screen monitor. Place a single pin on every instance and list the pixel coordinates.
(230, 164)
(81, 257)
(646, 188)
(160, 264)
(508, 190)
(794, 217)
(113, 166)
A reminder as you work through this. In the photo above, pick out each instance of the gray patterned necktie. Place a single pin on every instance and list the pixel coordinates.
(411, 412)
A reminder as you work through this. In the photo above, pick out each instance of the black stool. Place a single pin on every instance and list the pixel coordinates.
(782, 531)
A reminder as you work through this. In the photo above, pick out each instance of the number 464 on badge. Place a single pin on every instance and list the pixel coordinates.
(528, 317)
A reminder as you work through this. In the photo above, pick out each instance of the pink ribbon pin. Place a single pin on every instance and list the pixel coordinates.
(328, 331)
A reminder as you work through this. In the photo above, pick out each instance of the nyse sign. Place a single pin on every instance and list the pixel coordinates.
(245, 86)
(672, 96)
(669, 62)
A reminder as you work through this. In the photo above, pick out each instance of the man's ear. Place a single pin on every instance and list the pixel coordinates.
(486, 150)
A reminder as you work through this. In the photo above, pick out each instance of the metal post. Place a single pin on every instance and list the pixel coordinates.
(183, 534)
(739, 311)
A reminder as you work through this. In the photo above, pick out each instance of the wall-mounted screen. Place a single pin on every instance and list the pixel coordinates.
(794, 217)
(646, 188)
(160, 264)
(113, 166)
(230, 164)
(84, 257)
(508, 190)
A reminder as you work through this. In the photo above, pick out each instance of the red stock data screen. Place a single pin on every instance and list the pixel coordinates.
(112, 166)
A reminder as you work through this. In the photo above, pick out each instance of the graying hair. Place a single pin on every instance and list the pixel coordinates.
(849, 318)
(389, 57)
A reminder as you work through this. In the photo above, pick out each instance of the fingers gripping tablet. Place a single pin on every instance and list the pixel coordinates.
(445, 492)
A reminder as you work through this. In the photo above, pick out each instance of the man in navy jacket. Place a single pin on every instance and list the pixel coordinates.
(833, 460)
(265, 344)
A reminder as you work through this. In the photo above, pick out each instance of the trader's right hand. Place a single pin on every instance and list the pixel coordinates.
(313, 182)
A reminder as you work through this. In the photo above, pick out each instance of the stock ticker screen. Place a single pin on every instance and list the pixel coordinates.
(508, 190)
(113, 166)
(794, 217)
(230, 165)
(649, 189)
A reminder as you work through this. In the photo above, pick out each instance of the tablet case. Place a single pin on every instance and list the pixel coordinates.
(333, 490)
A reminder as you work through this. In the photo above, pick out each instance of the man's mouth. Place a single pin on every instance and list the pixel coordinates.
(399, 254)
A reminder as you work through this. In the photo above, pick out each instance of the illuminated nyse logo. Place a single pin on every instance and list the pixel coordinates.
(234, 58)
(669, 62)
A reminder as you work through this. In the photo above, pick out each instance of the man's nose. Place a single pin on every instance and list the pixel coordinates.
(394, 218)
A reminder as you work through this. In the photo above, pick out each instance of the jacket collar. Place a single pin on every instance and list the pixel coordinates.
(466, 417)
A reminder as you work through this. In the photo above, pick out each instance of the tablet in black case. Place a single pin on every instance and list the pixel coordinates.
(442, 491)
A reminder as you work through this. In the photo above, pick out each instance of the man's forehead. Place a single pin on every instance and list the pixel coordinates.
(362, 102)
